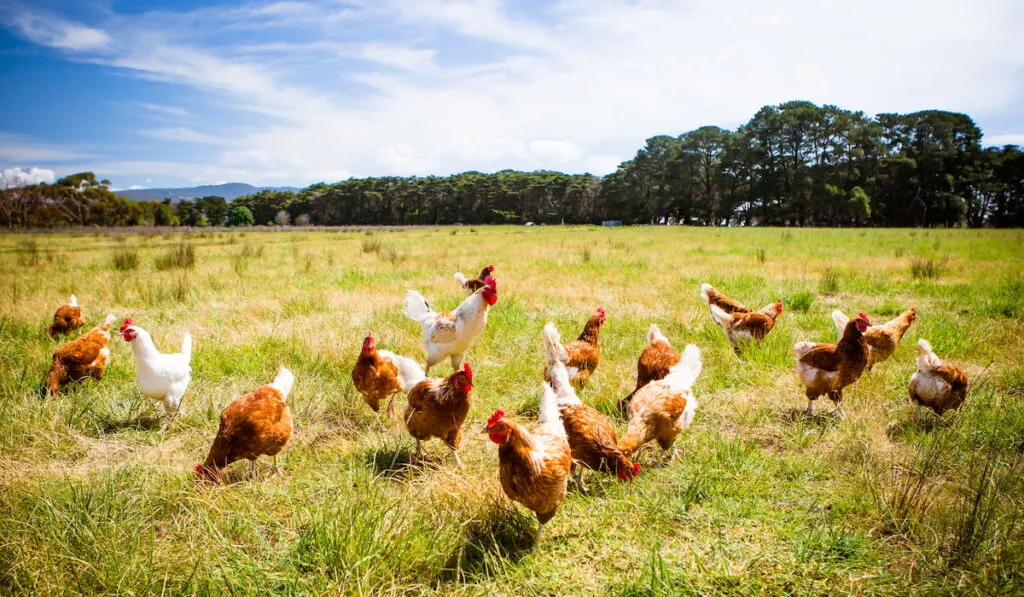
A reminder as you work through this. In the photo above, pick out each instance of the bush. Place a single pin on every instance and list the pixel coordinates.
(182, 256)
(240, 216)
(125, 259)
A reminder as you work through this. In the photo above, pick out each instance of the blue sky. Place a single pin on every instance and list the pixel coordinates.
(160, 93)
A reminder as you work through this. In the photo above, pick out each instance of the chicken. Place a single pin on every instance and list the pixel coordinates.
(581, 356)
(258, 424)
(882, 339)
(163, 377)
(753, 325)
(533, 466)
(654, 362)
(67, 319)
(437, 407)
(828, 368)
(450, 335)
(592, 437)
(713, 297)
(379, 374)
(664, 408)
(475, 284)
(938, 385)
(85, 356)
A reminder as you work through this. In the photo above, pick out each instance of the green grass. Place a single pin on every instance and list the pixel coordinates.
(96, 498)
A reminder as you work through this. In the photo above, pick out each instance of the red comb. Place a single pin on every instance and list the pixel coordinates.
(468, 371)
(490, 267)
(497, 416)
(128, 322)
(490, 281)
(862, 316)
(199, 468)
(636, 468)
(600, 310)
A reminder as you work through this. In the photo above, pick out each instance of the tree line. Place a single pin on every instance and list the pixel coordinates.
(794, 164)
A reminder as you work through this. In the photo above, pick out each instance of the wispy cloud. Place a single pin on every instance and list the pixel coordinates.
(438, 86)
(15, 149)
(58, 33)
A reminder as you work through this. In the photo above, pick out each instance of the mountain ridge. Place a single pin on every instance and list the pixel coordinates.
(228, 190)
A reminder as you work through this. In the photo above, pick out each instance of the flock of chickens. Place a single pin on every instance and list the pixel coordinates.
(534, 464)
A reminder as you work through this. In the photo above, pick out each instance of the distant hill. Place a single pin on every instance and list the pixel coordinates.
(229, 191)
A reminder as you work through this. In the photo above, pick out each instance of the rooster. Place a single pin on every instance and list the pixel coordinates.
(828, 368)
(67, 319)
(475, 284)
(741, 327)
(379, 374)
(438, 407)
(654, 362)
(882, 339)
(163, 377)
(258, 424)
(938, 385)
(533, 466)
(663, 409)
(581, 356)
(592, 437)
(85, 356)
(713, 297)
(450, 335)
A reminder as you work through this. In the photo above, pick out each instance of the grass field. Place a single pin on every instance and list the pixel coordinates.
(96, 498)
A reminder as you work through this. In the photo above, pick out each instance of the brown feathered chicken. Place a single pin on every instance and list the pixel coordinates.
(752, 325)
(580, 356)
(713, 297)
(937, 384)
(67, 319)
(471, 286)
(825, 369)
(437, 407)
(882, 339)
(592, 437)
(258, 424)
(654, 362)
(380, 374)
(85, 356)
(663, 409)
(533, 465)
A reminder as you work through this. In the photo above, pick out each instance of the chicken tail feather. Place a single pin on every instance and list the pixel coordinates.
(409, 372)
(416, 307)
(560, 383)
(926, 357)
(654, 334)
(840, 319)
(553, 349)
(283, 382)
(683, 374)
(186, 346)
(461, 279)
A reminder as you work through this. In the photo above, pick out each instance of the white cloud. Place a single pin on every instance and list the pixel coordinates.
(185, 134)
(578, 87)
(57, 33)
(16, 177)
(14, 148)
(399, 56)
(1007, 139)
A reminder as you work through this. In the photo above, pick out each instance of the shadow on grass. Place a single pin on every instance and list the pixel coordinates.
(798, 416)
(401, 464)
(907, 428)
(491, 544)
(140, 422)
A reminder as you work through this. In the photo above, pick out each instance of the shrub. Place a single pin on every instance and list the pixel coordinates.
(125, 258)
(182, 256)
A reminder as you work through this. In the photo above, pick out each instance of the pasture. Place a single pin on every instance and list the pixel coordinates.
(96, 498)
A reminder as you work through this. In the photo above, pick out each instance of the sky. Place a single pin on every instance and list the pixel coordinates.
(155, 93)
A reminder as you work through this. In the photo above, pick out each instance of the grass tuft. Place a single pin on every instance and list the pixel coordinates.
(181, 256)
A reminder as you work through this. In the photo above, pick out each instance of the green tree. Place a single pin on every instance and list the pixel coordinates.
(240, 216)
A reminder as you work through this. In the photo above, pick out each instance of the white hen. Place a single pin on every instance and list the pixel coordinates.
(163, 377)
